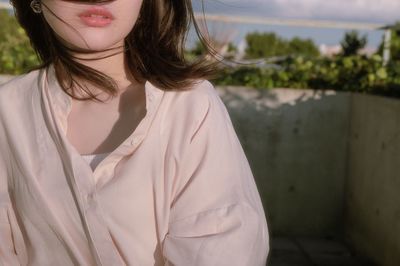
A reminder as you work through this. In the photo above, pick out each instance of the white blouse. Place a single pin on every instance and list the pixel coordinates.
(178, 191)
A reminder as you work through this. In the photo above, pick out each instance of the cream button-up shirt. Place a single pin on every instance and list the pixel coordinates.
(178, 191)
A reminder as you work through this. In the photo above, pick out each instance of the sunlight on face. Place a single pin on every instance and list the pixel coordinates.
(91, 26)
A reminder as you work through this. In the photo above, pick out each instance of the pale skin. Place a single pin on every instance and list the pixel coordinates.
(95, 127)
(100, 127)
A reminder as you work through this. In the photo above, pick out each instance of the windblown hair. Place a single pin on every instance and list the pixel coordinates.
(154, 49)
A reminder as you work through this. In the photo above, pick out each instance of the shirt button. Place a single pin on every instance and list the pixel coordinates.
(135, 140)
(90, 202)
(89, 197)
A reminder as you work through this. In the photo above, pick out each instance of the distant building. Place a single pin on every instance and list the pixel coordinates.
(331, 50)
(369, 51)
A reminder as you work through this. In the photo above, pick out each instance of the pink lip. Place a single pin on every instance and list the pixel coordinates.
(96, 16)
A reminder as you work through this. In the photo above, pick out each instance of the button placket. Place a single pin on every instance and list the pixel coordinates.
(93, 223)
(90, 201)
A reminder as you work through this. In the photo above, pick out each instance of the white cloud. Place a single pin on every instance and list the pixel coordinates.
(341, 9)
(353, 10)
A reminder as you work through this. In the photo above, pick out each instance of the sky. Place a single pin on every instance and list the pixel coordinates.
(369, 11)
(385, 11)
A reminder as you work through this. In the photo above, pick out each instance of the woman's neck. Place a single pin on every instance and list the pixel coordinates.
(112, 65)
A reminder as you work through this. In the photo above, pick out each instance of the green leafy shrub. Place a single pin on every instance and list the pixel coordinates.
(16, 53)
(352, 73)
(264, 45)
(304, 68)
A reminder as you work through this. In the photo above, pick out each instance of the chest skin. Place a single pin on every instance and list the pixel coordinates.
(95, 127)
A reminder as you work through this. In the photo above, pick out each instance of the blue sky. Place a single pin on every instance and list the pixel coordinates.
(371, 11)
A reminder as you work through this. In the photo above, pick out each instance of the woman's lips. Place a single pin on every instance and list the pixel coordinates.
(96, 17)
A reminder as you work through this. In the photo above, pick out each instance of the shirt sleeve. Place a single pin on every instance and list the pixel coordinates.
(10, 233)
(216, 217)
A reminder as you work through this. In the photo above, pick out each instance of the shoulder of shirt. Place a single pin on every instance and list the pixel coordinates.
(12, 92)
(19, 84)
(189, 109)
(200, 87)
(192, 103)
(15, 92)
(195, 98)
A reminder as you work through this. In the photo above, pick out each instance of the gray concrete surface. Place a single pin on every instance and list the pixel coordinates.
(295, 251)
(373, 182)
(325, 164)
(296, 144)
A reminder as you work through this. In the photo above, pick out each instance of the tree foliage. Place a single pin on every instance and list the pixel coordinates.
(352, 73)
(16, 53)
(264, 45)
(352, 43)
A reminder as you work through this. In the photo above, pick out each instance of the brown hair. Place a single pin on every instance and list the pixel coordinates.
(154, 49)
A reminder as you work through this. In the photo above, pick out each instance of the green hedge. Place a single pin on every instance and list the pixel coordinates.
(354, 73)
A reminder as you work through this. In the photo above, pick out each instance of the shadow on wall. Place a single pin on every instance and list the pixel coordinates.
(296, 144)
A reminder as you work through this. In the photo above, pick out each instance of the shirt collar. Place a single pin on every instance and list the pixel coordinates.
(63, 101)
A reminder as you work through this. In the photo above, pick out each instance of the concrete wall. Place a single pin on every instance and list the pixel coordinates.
(296, 143)
(325, 164)
(373, 183)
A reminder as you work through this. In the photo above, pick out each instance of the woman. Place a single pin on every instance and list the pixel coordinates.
(153, 176)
